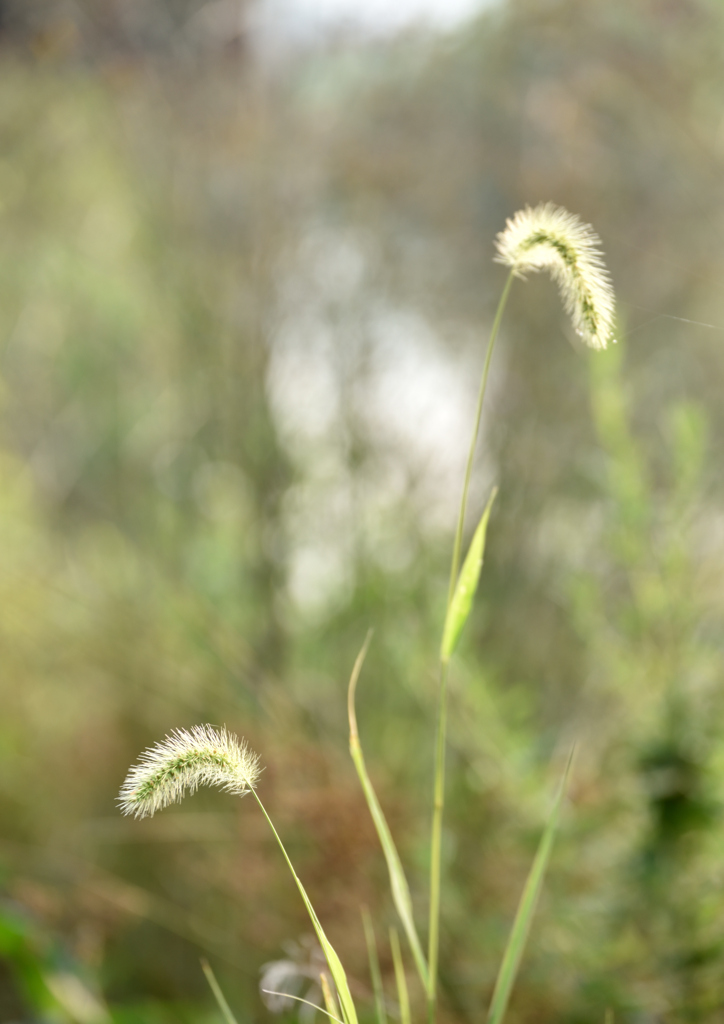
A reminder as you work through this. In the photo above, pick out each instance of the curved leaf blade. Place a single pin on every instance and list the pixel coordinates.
(403, 996)
(219, 996)
(526, 908)
(374, 962)
(467, 584)
(398, 882)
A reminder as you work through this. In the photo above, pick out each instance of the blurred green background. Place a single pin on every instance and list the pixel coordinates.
(246, 280)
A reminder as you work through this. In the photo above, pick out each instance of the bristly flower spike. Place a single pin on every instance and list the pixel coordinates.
(184, 761)
(550, 238)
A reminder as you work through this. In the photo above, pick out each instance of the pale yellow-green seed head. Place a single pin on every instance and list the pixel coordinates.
(550, 238)
(184, 761)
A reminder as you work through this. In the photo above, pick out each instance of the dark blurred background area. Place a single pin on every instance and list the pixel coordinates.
(246, 283)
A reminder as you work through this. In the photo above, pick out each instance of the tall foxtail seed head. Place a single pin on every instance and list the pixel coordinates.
(183, 762)
(551, 238)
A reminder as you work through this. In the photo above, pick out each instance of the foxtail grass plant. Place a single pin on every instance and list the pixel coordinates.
(207, 756)
(544, 238)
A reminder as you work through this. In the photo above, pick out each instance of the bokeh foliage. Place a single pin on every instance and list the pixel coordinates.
(243, 297)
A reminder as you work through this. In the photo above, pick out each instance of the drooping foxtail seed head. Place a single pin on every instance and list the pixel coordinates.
(550, 238)
(184, 761)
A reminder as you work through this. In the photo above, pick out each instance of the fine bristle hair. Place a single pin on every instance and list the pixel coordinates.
(550, 238)
(181, 763)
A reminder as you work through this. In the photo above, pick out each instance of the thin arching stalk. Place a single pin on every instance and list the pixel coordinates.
(441, 734)
(457, 546)
(338, 974)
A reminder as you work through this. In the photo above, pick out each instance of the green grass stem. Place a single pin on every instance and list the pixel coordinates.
(307, 1002)
(436, 843)
(335, 965)
(441, 737)
(457, 546)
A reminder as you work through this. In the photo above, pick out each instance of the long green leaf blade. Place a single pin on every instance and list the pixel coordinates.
(374, 961)
(526, 908)
(403, 996)
(467, 583)
(218, 994)
(398, 882)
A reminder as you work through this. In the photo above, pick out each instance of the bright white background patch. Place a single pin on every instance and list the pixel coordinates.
(377, 15)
